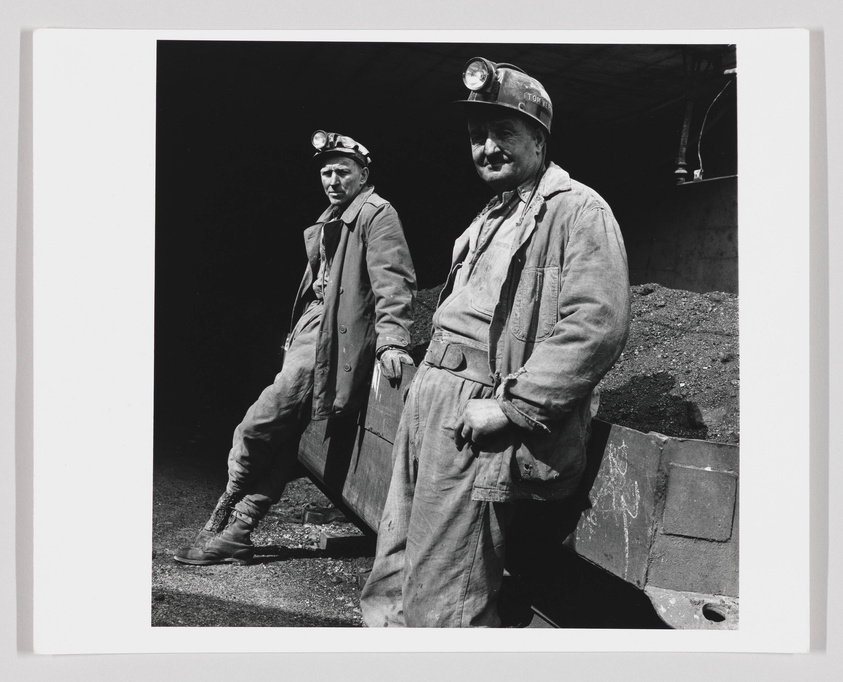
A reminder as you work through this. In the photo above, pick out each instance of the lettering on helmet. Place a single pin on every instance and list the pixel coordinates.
(535, 99)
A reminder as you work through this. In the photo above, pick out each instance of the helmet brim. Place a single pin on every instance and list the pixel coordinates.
(505, 108)
(320, 156)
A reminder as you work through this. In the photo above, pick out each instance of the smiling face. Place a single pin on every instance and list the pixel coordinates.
(506, 149)
(342, 179)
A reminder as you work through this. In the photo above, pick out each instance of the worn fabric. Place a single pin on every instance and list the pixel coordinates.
(369, 291)
(440, 554)
(559, 322)
(328, 240)
(557, 307)
(467, 311)
(264, 448)
(364, 299)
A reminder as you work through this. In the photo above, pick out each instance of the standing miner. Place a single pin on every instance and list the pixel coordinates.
(354, 303)
(534, 313)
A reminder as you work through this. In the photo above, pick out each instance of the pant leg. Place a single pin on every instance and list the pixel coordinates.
(381, 598)
(439, 561)
(264, 448)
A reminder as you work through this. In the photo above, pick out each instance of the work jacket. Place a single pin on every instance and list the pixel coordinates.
(368, 300)
(560, 323)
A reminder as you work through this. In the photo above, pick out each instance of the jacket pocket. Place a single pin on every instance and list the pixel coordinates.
(488, 276)
(553, 462)
(535, 309)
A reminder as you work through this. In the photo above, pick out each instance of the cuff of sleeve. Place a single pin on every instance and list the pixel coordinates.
(515, 415)
(385, 342)
(382, 349)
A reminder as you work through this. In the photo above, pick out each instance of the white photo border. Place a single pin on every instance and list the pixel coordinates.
(94, 189)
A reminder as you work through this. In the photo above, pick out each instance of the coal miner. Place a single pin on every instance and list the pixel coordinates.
(354, 305)
(534, 312)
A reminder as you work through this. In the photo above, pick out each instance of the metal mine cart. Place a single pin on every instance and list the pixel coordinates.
(657, 548)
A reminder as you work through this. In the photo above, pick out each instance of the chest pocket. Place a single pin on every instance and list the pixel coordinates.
(535, 309)
(487, 277)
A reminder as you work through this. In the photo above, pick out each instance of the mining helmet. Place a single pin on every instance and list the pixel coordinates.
(334, 143)
(505, 85)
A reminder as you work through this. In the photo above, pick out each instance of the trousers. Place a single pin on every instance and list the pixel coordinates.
(264, 450)
(440, 555)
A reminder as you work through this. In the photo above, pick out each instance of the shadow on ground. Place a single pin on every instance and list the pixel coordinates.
(295, 583)
(176, 609)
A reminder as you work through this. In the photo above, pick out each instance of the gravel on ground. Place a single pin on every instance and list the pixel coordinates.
(679, 376)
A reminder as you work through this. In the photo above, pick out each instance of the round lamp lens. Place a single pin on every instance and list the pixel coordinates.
(319, 139)
(476, 75)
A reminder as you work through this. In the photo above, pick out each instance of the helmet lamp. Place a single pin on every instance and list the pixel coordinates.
(507, 86)
(479, 73)
(319, 139)
(334, 143)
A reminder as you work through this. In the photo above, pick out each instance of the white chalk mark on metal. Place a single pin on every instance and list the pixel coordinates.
(376, 380)
(614, 496)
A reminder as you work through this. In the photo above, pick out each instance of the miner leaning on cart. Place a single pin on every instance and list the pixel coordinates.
(534, 312)
(354, 304)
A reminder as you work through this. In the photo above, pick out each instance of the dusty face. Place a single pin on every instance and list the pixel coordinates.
(342, 179)
(506, 150)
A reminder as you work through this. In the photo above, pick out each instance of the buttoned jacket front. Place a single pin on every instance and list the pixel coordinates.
(560, 322)
(368, 300)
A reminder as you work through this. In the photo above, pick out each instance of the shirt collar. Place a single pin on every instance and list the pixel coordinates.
(553, 180)
(349, 213)
(523, 192)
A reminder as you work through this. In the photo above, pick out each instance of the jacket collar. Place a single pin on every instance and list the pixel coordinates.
(554, 180)
(349, 215)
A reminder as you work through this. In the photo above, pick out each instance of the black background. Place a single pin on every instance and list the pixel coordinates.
(236, 184)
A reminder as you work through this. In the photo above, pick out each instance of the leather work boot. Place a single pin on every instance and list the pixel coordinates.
(219, 517)
(217, 521)
(232, 545)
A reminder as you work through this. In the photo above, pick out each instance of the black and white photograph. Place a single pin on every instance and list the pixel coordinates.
(407, 341)
(446, 335)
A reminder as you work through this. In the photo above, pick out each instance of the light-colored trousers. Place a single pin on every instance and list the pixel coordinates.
(264, 448)
(440, 554)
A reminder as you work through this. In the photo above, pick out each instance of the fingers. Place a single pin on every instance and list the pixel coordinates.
(388, 368)
(463, 433)
(395, 365)
(391, 362)
(467, 434)
(459, 441)
(401, 358)
(388, 363)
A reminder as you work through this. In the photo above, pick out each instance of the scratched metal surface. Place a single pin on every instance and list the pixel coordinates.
(658, 538)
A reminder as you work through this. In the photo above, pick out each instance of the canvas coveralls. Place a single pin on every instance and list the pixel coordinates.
(355, 297)
(534, 313)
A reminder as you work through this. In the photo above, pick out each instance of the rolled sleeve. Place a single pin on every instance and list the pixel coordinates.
(591, 331)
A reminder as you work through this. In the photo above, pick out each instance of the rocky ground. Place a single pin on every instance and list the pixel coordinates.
(293, 582)
(679, 376)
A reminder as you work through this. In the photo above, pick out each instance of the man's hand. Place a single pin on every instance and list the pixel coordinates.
(480, 421)
(391, 360)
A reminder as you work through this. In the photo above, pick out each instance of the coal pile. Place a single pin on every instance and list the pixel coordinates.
(679, 374)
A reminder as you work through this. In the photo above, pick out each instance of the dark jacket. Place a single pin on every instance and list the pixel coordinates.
(368, 300)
